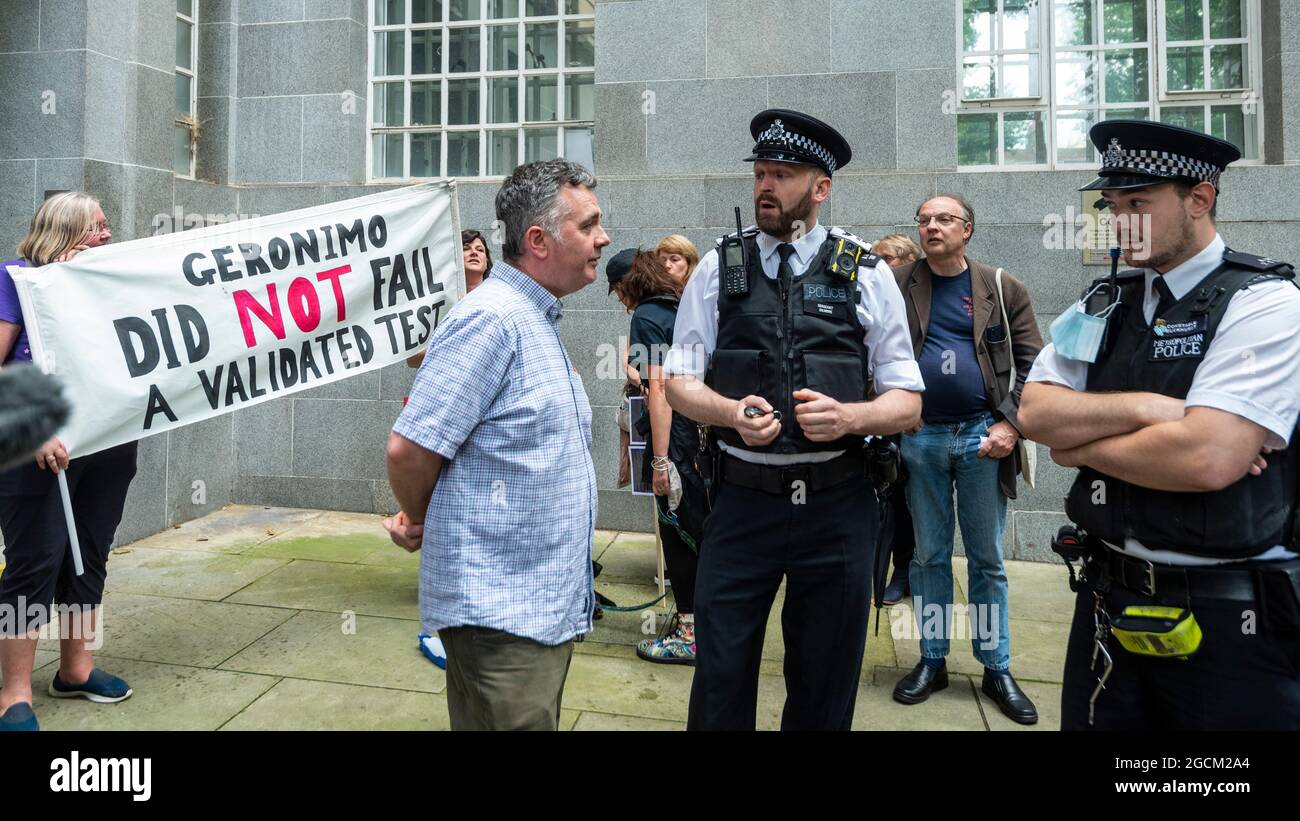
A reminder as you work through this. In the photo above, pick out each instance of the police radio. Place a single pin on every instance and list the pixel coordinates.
(735, 276)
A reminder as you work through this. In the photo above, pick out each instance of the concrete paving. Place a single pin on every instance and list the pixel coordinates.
(258, 618)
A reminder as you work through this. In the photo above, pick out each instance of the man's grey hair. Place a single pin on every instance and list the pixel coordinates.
(531, 196)
(968, 211)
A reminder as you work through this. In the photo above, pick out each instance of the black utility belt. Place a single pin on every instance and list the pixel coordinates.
(780, 479)
(1109, 567)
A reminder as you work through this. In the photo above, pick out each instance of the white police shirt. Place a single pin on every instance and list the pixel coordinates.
(1252, 368)
(880, 310)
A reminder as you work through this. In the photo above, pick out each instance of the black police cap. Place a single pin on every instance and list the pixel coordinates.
(618, 266)
(1138, 153)
(789, 136)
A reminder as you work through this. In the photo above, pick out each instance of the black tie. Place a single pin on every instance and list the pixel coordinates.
(1161, 289)
(783, 271)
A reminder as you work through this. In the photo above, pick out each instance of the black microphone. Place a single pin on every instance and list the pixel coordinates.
(32, 409)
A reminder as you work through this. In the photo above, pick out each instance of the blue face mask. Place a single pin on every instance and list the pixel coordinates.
(1077, 334)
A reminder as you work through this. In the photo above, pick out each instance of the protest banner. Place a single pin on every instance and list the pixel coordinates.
(161, 332)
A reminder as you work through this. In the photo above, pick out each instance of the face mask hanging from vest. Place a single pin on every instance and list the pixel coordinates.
(1077, 334)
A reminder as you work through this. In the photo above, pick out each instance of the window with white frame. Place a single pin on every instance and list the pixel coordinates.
(473, 88)
(1038, 74)
(186, 124)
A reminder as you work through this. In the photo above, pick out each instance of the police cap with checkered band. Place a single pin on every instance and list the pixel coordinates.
(788, 136)
(1138, 153)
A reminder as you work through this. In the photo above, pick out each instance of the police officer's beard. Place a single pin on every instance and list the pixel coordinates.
(783, 223)
(1182, 239)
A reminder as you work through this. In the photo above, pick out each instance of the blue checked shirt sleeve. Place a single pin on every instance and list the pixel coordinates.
(465, 370)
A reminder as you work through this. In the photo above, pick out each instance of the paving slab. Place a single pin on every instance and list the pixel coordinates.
(382, 652)
(298, 704)
(187, 574)
(607, 722)
(348, 548)
(954, 708)
(630, 558)
(334, 587)
(232, 529)
(166, 697)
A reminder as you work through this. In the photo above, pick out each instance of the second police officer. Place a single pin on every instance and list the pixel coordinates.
(1175, 389)
(779, 333)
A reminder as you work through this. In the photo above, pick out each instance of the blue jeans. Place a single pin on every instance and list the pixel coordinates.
(939, 457)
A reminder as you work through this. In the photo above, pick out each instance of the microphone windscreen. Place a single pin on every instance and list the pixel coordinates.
(32, 409)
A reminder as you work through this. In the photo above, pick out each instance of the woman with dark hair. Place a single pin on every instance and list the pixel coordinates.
(39, 569)
(478, 265)
(651, 293)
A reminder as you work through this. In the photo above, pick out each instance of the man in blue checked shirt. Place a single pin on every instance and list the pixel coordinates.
(492, 453)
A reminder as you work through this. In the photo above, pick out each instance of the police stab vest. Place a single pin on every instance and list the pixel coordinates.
(1239, 521)
(771, 343)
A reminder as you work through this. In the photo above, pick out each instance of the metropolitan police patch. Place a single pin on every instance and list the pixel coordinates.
(1178, 340)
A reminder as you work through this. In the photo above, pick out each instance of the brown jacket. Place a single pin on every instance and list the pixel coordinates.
(994, 349)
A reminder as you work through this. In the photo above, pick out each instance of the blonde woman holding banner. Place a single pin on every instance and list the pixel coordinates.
(39, 566)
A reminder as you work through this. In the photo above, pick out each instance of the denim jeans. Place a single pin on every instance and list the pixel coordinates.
(939, 457)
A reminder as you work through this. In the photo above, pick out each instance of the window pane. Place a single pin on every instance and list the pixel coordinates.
(498, 9)
(540, 97)
(503, 152)
(426, 11)
(1231, 123)
(1226, 18)
(185, 7)
(1126, 76)
(1075, 80)
(580, 43)
(181, 151)
(390, 53)
(577, 147)
(540, 46)
(462, 9)
(579, 97)
(503, 47)
(462, 50)
(977, 139)
(1126, 114)
(579, 7)
(390, 12)
(1185, 68)
(1019, 76)
(1072, 143)
(979, 24)
(540, 144)
(426, 102)
(462, 102)
(1183, 20)
(1124, 21)
(1073, 22)
(1227, 67)
(424, 155)
(184, 45)
(1020, 24)
(1189, 116)
(503, 99)
(387, 155)
(1023, 141)
(388, 104)
(183, 94)
(978, 79)
(541, 8)
(462, 153)
(426, 51)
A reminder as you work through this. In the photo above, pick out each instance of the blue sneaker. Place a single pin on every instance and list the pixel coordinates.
(19, 718)
(433, 650)
(101, 687)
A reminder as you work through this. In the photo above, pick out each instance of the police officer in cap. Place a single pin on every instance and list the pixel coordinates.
(777, 335)
(1174, 388)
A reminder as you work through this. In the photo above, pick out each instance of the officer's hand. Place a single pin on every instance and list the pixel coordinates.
(1001, 440)
(760, 430)
(405, 534)
(1260, 462)
(823, 419)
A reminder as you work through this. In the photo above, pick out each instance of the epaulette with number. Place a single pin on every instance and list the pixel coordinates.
(1257, 263)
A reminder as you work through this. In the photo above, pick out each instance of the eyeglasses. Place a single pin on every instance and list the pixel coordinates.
(943, 219)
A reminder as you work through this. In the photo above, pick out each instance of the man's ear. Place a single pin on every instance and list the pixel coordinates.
(1200, 200)
(535, 241)
(821, 187)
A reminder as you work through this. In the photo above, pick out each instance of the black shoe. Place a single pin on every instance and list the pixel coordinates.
(917, 685)
(1002, 688)
(897, 590)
